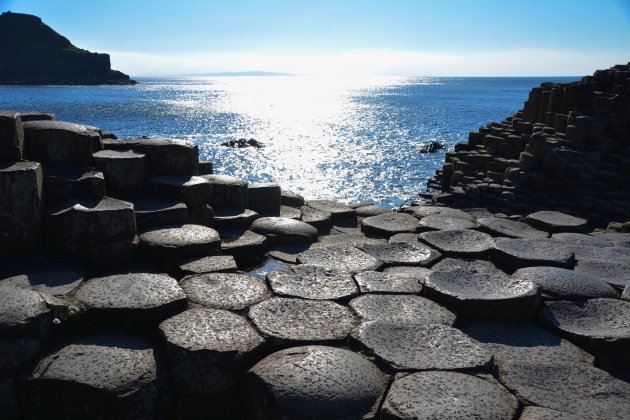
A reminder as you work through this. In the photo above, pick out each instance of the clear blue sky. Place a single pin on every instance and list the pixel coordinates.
(421, 37)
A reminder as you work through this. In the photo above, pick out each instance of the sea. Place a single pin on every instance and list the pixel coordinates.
(348, 139)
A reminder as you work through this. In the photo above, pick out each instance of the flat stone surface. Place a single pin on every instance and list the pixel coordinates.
(132, 297)
(581, 239)
(483, 295)
(403, 253)
(224, 290)
(280, 230)
(166, 156)
(228, 219)
(60, 144)
(54, 282)
(574, 388)
(560, 283)
(291, 198)
(340, 257)
(518, 253)
(422, 347)
(497, 226)
(440, 222)
(312, 282)
(615, 273)
(297, 320)
(248, 246)
(228, 191)
(337, 210)
(63, 184)
(353, 240)
(447, 395)
(424, 211)
(371, 210)
(315, 382)
(524, 341)
(125, 170)
(192, 190)
(540, 413)
(104, 376)
(589, 252)
(208, 349)
(287, 253)
(316, 218)
(462, 242)
(152, 213)
(389, 224)
(467, 263)
(553, 221)
(418, 273)
(290, 213)
(403, 309)
(214, 264)
(404, 237)
(21, 310)
(392, 282)
(177, 241)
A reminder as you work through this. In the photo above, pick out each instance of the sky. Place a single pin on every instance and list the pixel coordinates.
(366, 37)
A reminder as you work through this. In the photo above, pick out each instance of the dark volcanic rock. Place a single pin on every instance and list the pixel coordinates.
(166, 156)
(354, 239)
(179, 241)
(34, 54)
(60, 185)
(192, 190)
(229, 219)
(484, 295)
(151, 213)
(467, 263)
(280, 230)
(424, 211)
(613, 272)
(11, 136)
(314, 382)
(377, 282)
(553, 221)
(104, 376)
(312, 282)
(124, 170)
(560, 283)
(509, 228)
(575, 388)
(581, 239)
(249, 246)
(372, 210)
(440, 222)
(290, 321)
(403, 309)
(22, 312)
(208, 350)
(316, 218)
(54, 282)
(265, 198)
(462, 242)
(337, 210)
(422, 347)
(131, 298)
(340, 257)
(403, 253)
(290, 198)
(447, 395)
(289, 212)
(224, 290)
(228, 191)
(389, 224)
(517, 253)
(540, 413)
(203, 265)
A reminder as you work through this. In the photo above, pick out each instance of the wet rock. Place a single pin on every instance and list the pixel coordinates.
(249, 246)
(243, 143)
(372, 210)
(422, 347)
(403, 253)
(166, 156)
(224, 290)
(389, 224)
(290, 198)
(228, 191)
(337, 210)
(447, 395)
(518, 253)
(151, 213)
(340, 257)
(208, 350)
(60, 185)
(615, 273)
(11, 136)
(265, 198)
(554, 222)
(312, 282)
(484, 295)
(135, 299)
(125, 171)
(20, 206)
(203, 265)
(523, 342)
(432, 147)
(424, 211)
(53, 283)
(314, 382)
(560, 283)
(60, 144)
(461, 242)
(192, 190)
(22, 313)
(574, 388)
(179, 241)
(234, 219)
(601, 326)
(105, 376)
(392, 282)
(497, 226)
(290, 321)
(402, 309)
(280, 230)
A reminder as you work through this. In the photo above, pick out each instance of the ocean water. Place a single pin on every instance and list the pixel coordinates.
(345, 139)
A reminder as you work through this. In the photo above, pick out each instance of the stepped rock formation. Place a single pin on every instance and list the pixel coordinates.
(32, 53)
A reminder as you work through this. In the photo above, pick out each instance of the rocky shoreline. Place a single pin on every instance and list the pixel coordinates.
(136, 283)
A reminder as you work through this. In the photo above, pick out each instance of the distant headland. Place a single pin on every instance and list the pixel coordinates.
(32, 53)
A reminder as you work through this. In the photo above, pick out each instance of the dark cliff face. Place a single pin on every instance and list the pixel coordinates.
(32, 53)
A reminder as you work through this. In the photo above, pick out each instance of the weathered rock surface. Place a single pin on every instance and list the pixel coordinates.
(203, 265)
(312, 282)
(518, 253)
(403, 253)
(440, 222)
(421, 347)
(22, 313)
(54, 282)
(337, 210)
(125, 171)
(356, 240)
(234, 219)
(497, 226)
(228, 191)
(389, 224)
(290, 212)
(371, 210)
(290, 198)
(104, 376)
(447, 395)
(224, 290)
(152, 213)
(581, 239)
(553, 221)
(249, 246)
(467, 263)
(402, 309)
(316, 218)
(391, 282)
(340, 257)
(179, 241)
(484, 295)
(616, 273)
(560, 283)
(280, 230)
(539, 413)
(208, 350)
(64, 184)
(461, 242)
(289, 321)
(314, 382)
(424, 211)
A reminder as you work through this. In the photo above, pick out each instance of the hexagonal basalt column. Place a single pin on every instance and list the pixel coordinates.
(312, 282)
(178, 241)
(11, 136)
(280, 230)
(166, 156)
(60, 185)
(224, 290)
(125, 171)
(192, 190)
(228, 191)
(389, 224)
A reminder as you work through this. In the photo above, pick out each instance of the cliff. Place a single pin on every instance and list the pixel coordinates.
(32, 53)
